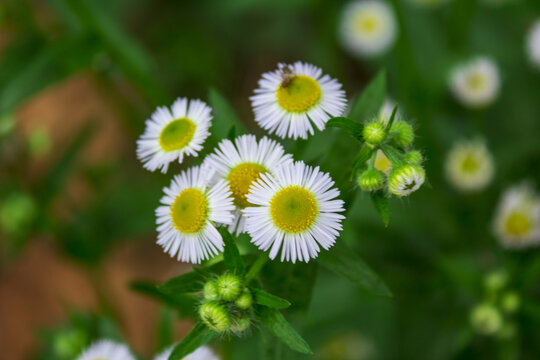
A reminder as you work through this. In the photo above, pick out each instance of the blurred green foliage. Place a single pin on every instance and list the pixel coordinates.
(438, 248)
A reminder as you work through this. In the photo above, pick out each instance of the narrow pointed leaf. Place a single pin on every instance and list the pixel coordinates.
(345, 262)
(264, 298)
(380, 201)
(196, 338)
(181, 301)
(186, 283)
(274, 321)
(363, 155)
(352, 127)
(392, 119)
(370, 100)
(233, 260)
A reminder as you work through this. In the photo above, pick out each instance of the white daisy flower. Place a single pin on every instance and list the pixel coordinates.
(533, 44)
(202, 353)
(190, 207)
(476, 83)
(385, 113)
(171, 134)
(290, 100)
(469, 165)
(241, 163)
(368, 28)
(296, 211)
(106, 350)
(517, 219)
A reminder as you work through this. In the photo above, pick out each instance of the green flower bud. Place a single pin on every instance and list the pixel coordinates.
(240, 324)
(210, 291)
(402, 133)
(371, 180)
(373, 133)
(510, 302)
(414, 157)
(496, 280)
(245, 300)
(486, 319)
(229, 287)
(406, 179)
(215, 316)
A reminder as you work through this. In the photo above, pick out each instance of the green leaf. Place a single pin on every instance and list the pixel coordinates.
(274, 321)
(264, 298)
(352, 127)
(391, 120)
(186, 283)
(231, 255)
(181, 302)
(380, 201)
(363, 155)
(232, 133)
(393, 154)
(345, 262)
(370, 101)
(224, 115)
(196, 338)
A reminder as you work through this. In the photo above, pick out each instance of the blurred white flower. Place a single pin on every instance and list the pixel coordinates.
(106, 349)
(368, 28)
(202, 353)
(385, 113)
(469, 165)
(293, 98)
(476, 83)
(533, 44)
(517, 219)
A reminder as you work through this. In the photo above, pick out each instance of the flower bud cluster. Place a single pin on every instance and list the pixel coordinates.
(406, 173)
(227, 304)
(494, 315)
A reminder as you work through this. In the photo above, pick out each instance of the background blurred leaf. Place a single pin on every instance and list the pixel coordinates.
(370, 100)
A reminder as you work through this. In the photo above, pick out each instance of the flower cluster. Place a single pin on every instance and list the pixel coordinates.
(493, 316)
(393, 165)
(247, 184)
(227, 304)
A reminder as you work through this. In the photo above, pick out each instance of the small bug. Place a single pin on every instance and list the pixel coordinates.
(286, 75)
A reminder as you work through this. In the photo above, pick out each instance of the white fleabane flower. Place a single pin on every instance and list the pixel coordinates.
(476, 83)
(241, 163)
(171, 134)
(385, 113)
(296, 211)
(202, 353)
(469, 165)
(106, 350)
(406, 179)
(190, 207)
(533, 44)
(517, 219)
(290, 100)
(368, 28)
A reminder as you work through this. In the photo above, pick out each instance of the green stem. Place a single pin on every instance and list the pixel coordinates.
(256, 267)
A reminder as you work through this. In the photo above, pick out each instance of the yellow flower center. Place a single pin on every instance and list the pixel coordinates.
(366, 23)
(189, 211)
(293, 209)
(382, 163)
(240, 179)
(177, 134)
(518, 224)
(476, 81)
(469, 164)
(300, 94)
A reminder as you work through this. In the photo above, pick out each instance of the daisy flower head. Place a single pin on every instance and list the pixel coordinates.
(295, 210)
(292, 99)
(106, 350)
(476, 83)
(469, 165)
(171, 134)
(202, 353)
(517, 219)
(368, 28)
(533, 44)
(188, 213)
(406, 179)
(241, 163)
